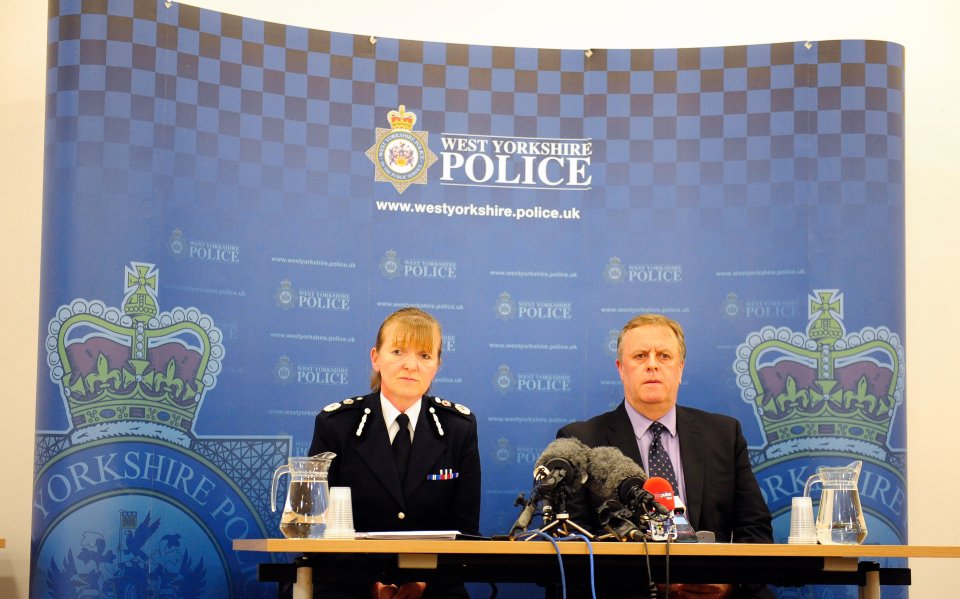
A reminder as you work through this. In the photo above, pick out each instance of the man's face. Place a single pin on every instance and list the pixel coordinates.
(650, 368)
(405, 372)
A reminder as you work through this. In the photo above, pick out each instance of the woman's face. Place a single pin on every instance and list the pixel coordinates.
(405, 372)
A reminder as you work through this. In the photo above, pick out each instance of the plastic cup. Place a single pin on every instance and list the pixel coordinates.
(340, 515)
(802, 528)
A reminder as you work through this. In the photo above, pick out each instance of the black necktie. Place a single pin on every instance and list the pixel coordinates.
(658, 461)
(401, 446)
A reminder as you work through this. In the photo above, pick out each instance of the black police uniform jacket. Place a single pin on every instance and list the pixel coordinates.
(442, 486)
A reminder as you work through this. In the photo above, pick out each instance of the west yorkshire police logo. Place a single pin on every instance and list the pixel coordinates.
(285, 294)
(195, 249)
(390, 265)
(610, 346)
(504, 380)
(732, 306)
(827, 397)
(176, 244)
(504, 453)
(282, 371)
(401, 155)
(504, 308)
(129, 501)
(613, 272)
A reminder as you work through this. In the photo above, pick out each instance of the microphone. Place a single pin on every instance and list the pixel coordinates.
(562, 465)
(662, 529)
(563, 462)
(523, 521)
(662, 491)
(614, 475)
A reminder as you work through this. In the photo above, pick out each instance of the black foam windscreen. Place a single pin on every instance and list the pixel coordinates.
(612, 474)
(568, 454)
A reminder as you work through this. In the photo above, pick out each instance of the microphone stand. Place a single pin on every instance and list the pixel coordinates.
(560, 524)
(619, 523)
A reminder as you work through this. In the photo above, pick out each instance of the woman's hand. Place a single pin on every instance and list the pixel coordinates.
(699, 591)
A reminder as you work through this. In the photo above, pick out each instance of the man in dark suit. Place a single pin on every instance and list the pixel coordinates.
(703, 454)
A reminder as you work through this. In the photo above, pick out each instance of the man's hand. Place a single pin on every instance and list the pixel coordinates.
(699, 591)
(409, 590)
(383, 591)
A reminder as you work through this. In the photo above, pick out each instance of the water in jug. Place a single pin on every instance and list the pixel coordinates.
(304, 511)
(840, 517)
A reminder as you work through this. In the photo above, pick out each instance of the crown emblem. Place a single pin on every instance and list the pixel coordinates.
(827, 389)
(138, 371)
(401, 119)
(401, 155)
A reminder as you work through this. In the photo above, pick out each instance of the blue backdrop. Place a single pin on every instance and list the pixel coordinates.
(233, 206)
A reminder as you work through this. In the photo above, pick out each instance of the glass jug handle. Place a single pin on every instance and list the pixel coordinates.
(810, 482)
(285, 469)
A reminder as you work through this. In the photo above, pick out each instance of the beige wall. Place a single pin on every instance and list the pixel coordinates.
(927, 28)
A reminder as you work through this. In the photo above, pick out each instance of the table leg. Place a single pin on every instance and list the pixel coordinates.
(871, 585)
(303, 588)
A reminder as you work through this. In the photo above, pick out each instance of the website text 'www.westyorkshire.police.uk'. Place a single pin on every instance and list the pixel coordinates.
(444, 209)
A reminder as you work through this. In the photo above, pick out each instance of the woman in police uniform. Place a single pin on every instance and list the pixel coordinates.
(431, 482)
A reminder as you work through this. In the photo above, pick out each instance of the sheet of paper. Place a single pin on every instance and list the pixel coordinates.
(409, 534)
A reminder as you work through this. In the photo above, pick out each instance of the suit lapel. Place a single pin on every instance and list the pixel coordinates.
(691, 454)
(374, 449)
(620, 434)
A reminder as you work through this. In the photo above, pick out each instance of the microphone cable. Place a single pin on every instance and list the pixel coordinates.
(575, 536)
(652, 586)
(666, 569)
(556, 548)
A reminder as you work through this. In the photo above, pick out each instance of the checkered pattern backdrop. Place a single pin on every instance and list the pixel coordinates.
(719, 165)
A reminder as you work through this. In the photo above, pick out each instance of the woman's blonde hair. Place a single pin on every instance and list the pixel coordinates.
(415, 328)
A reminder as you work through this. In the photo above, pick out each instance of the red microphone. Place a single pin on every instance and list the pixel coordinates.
(662, 491)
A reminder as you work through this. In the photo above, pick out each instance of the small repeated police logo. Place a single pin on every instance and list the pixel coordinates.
(195, 249)
(390, 265)
(176, 245)
(610, 346)
(616, 272)
(282, 371)
(285, 294)
(613, 272)
(504, 453)
(401, 155)
(732, 306)
(504, 307)
(504, 380)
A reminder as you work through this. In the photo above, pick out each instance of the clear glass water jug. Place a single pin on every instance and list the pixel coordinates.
(304, 511)
(840, 516)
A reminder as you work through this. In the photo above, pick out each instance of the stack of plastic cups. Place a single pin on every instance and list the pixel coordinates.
(340, 515)
(802, 528)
